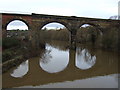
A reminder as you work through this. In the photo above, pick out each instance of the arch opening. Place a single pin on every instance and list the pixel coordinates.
(17, 28)
(53, 26)
(54, 31)
(89, 33)
(17, 25)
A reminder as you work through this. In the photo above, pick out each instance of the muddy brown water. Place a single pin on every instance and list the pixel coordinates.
(61, 67)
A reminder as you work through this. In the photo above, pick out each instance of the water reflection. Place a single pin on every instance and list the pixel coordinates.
(46, 58)
(58, 58)
(97, 82)
(54, 60)
(21, 70)
(84, 60)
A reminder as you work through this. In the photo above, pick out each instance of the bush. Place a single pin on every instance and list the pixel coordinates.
(10, 42)
(7, 55)
(110, 39)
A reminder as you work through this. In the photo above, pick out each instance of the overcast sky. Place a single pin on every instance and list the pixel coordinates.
(81, 8)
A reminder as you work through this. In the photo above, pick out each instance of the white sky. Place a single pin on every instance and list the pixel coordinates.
(16, 24)
(80, 8)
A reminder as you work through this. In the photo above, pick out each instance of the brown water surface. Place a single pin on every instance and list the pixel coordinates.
(59, 66)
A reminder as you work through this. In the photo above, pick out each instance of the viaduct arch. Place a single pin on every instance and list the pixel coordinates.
(35, 22)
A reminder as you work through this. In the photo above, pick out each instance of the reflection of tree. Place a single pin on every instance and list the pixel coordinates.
(46, 57)
(88, 58)
(61, 45)
(79, 51)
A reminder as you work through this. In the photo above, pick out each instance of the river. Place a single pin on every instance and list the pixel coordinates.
(61, 67)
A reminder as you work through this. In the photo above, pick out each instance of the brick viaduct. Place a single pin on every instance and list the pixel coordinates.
(35, 22)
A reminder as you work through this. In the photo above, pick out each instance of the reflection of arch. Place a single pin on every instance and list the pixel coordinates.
(55, 63)
(27, 24)
(48, 22)
(21, 70)
(85, 60)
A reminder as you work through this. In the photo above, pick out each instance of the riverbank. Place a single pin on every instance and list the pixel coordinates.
(18, 59)
(11, 63)
(16, 51)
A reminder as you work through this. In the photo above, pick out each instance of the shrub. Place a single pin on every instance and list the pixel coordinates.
(7, 55)
(10, 42)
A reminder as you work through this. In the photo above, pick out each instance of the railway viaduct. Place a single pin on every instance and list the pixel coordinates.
(35, 22)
